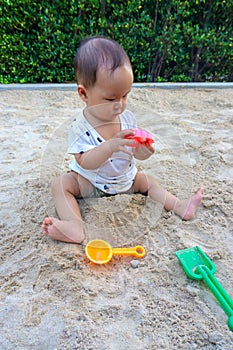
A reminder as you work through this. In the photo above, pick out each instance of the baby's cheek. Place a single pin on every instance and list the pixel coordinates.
(123, 107)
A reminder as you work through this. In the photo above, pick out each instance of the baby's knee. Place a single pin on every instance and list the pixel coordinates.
(64, 182)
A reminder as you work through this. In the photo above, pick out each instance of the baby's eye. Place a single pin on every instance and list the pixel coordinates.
(110, 99)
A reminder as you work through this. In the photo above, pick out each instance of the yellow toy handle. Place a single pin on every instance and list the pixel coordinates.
(138, 251)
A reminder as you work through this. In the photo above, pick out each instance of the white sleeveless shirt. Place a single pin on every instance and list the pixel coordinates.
(117, 174)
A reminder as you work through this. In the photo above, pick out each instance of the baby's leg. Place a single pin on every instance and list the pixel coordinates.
(69, 227)
(186, 208)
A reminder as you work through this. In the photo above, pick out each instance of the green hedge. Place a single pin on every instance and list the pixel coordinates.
(167, 40)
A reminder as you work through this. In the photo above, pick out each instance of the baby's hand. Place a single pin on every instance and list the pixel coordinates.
(118, 143)
(143, 151)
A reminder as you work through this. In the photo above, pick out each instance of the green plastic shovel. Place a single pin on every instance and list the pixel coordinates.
(197, 265)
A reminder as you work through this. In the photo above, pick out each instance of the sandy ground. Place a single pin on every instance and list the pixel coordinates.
(51, 296)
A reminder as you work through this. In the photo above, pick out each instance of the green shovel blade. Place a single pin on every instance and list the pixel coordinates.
(197, 265)
(191, 258)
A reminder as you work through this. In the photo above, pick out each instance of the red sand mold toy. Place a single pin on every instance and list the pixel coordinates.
(141, 136)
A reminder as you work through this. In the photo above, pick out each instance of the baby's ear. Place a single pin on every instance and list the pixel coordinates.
(82, 91)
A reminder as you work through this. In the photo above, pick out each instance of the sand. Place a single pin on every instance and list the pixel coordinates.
(51, 296)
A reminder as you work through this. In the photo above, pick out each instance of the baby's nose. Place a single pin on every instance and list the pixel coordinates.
(117, 107)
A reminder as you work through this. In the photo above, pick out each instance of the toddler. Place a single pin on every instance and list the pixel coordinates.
(103, 161)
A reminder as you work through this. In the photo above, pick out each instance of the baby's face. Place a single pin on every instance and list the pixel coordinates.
(108, 97)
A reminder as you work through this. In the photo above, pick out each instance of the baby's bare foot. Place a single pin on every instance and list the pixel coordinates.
(187, 208)
(61, 230)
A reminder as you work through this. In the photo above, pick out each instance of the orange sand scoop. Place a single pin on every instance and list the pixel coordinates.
(101, 252)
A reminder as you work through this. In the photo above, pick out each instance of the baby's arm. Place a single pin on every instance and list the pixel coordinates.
(95, 157)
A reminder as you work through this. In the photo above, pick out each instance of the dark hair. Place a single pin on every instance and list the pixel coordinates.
(95, 53)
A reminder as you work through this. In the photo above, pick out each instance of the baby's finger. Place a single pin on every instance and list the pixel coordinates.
(126, 150)
(150, 148)
(126, 132)
(130, 143)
